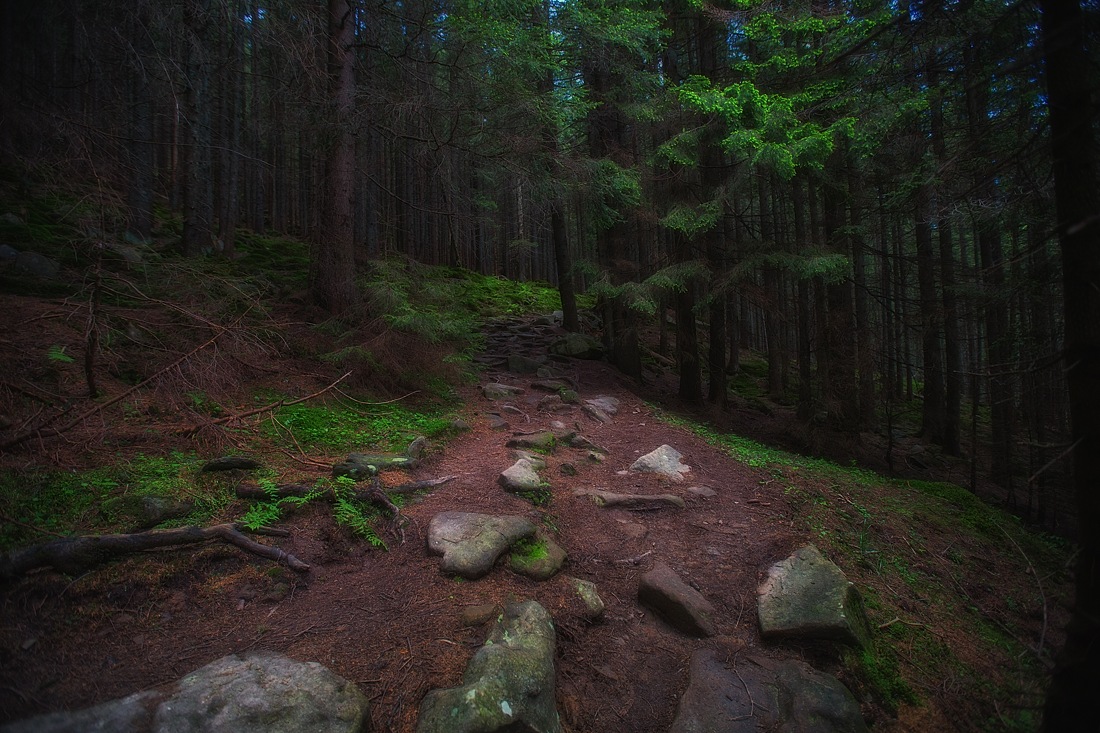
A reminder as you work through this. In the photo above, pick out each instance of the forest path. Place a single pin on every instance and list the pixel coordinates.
(396, 625)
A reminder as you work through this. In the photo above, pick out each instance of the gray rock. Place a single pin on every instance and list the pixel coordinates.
(471, 543)
(230, 463)
(36, 265)
(664, 460)
(519, 364)
(577, 346)
(460, 426)
(729, 693)
(360, 466)
(129, 254)
(521, 476)
(8, 252)
(604, 403)
(259, 692)
(590, 597)
(540, 559)
(543, 441)
(808, 597)
(605, 498)
(703, 492)
(497, 391)
(683, 607)
(579, 441)
(477, 615)
(496, 422)
(10, 219)
(157, 509)
(507, 686)
(417, 448)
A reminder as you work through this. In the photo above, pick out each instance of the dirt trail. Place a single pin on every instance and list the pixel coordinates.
(390, 621)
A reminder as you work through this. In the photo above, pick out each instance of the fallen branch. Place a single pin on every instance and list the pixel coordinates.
(52, 432)
(75, 555)
(266, 408)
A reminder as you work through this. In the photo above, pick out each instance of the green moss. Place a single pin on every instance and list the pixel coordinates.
(877, 669)
(344, 427)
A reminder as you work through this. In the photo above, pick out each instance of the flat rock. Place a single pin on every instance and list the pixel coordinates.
(683, 607)
(808, 597)
(541, 441)
(260, 692)
(471, 543)
(577, 346)
(664, 461)
(703, 492)
(498, 391)
(731, 693)
(604, 403)
(508, 685)
(364, 465)
(610, 498)
(521, 476)
(520, 364)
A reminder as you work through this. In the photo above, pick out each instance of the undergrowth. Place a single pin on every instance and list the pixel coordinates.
(962, 593)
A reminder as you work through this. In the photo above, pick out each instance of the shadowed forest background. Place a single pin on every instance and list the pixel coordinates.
(864, 193)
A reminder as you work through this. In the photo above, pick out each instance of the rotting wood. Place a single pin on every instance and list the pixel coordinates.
(75, 555)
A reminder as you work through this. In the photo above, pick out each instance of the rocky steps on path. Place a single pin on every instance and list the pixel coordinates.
(509, 683)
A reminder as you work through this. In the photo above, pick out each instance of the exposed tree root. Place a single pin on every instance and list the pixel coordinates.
(374, 493)
(631, 501)
(75, 555)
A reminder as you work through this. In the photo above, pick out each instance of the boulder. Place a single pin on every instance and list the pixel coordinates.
(730, 693)
(260, 692)
(808, 597)
(519, 364)
(508, 686)
(36, 265)
(577, 346)
(471, 543)
(664, 461)
(604, 403)
(683, 607)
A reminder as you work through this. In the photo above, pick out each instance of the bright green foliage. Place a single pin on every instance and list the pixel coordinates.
(387, 427)
(443, 304)
(104, 499)
(57, 355)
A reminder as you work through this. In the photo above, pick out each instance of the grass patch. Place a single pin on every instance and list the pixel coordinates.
(105, 499)
(958, 590)
(341, 427)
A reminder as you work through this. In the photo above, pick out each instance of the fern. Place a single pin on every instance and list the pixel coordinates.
(261, 515)
(57, 354)
(353, 518)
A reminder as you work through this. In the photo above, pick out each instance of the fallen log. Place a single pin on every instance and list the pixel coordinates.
(75, 555)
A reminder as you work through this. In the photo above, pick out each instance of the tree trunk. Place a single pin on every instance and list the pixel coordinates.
(198, 192)
(1071, 701)
(332, 269)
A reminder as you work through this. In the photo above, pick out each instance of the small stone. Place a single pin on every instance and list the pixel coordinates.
(568, 469)
(664, 461)
(683, 607)
(703, 492)
(587, 592)
(36, 265)
(520, 476)
(460, 426)
(519, 364)
(480, 614)
(538, 559)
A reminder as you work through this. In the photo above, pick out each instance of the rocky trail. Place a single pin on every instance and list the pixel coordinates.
(589, 568)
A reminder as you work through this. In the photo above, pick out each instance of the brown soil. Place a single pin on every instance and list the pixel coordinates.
(391, 622)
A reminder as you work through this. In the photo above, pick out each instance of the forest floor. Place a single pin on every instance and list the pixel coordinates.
(967, 604)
